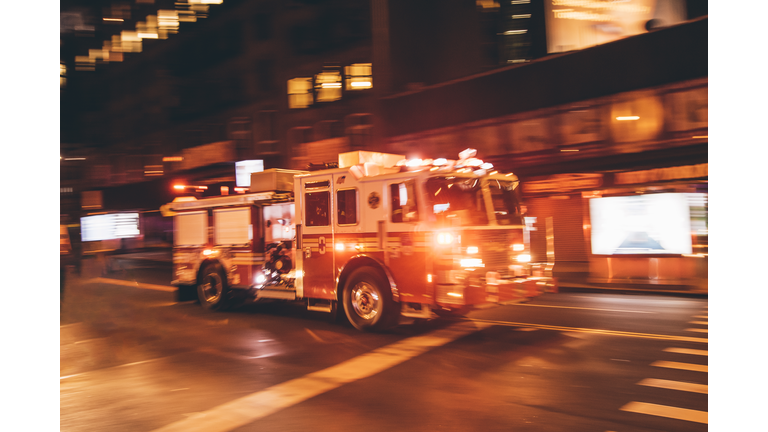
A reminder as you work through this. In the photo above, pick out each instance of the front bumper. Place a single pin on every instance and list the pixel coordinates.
(492, 291)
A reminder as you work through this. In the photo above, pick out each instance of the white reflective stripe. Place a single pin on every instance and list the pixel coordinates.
(242, 411)
(667, 411)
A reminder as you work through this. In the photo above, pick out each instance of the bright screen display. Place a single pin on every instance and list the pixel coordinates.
(109, 226)
(643, 224)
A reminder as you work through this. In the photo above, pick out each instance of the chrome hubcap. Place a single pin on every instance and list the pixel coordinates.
(212, 288)
(365, 300)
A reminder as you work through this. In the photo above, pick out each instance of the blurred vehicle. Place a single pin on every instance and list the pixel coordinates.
(66, 257)
(376, 235)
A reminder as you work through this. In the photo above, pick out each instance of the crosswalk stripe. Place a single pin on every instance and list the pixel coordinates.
(699, 322)
(247, 409)
(682, 366)
(698, 330)
(667, 411)
(675, 385)
(687, 351)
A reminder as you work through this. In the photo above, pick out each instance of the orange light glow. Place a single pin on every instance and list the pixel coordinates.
(173, 159)
(627, 118)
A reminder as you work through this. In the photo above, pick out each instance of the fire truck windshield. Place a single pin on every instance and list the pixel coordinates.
(456, 200)
(506, 204)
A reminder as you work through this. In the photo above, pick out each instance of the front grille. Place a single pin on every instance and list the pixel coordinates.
(494, 249)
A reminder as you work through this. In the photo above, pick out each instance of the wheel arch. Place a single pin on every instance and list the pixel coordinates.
(207, 262)
(360, 261)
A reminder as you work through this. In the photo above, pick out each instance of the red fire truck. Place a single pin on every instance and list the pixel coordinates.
(376, 236)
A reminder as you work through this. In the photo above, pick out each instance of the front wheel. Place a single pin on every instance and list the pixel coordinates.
(212, 288)
(368, 301)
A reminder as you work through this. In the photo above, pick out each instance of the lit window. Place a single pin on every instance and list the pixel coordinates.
(358, 76)
(328, 86)
(300, 93)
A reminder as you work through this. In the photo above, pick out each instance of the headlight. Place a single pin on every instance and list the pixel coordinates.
(524, 258)
(260, 279)
(471, 250)
(444, 238)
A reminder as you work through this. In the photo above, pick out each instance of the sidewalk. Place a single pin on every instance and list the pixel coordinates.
(631, 288)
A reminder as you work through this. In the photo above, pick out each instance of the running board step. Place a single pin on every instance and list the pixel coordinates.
(320, 305)
(415, 310)
(276, 294)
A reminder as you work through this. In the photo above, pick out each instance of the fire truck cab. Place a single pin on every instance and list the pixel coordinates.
(378, 237)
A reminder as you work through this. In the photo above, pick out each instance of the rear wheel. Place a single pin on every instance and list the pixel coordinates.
(368, 301)
(212, 288)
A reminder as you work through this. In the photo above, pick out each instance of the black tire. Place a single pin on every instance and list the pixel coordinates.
(367, 300)
(212, 288)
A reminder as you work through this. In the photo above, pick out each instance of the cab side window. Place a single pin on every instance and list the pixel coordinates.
(316, 210)
(346, 210)
(403, 199)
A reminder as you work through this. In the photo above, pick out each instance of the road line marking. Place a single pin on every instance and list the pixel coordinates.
(687, 351)
(699, 322)
(675, 385)
(250, 408)
(133, 284)
(698, 330)
(585, 308)
(594, 331)
(316, 337)
(63, 326)
(113, 367)
(682, 366)
(667, 411)
(89, 340)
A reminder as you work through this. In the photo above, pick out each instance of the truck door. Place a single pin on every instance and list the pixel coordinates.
(317, 237)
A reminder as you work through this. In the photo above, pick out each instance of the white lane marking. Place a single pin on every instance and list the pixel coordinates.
(667, 411)
(699, 322)
(681, 366)
(675, 385)
(90, 340)
(697, 330)
(593, 331)
(248, 409)
(585, 308)
(316, 337)
(687, 351)
(133, 284)
(113, 367)
(63, 326)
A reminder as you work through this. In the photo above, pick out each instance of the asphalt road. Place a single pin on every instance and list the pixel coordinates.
(134, 359)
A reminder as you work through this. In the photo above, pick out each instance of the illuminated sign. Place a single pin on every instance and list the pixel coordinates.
(109, 226)
(579, 24)
(643, 224)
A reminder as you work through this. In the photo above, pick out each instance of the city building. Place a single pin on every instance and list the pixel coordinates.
(585, 101)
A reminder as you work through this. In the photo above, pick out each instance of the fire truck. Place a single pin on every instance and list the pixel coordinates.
(375, 236)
